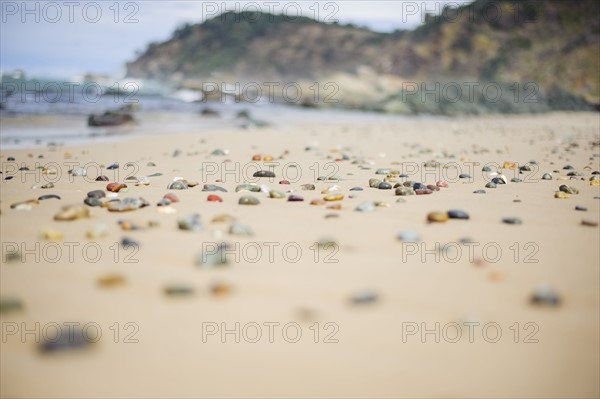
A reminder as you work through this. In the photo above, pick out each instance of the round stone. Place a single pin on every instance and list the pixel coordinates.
(276, 194)
(419, 186)
(546, 176)
(254, 188)
(102, 178)
(191, 222)
(384, 186)
(334, 197)
(568, 189)
(177, 185)
(544, 295)
(437, 217)
(374, 183)
(115, 187)
(365, 207)
(72, 212)
(92, 201)
(491, 185)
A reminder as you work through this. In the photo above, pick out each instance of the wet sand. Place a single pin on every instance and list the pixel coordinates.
(377, 293)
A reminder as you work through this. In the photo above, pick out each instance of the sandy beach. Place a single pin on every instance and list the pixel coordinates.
(324, 300)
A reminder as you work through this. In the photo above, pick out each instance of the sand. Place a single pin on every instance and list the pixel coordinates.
(366, 350)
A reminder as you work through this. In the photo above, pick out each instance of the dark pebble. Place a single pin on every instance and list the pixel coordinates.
(264, 173)
(10, 158)
(512, 221)
(458, 214)
(580, 208)
(384, 186)
(423, 191)
(92, 201)
(295, 198)
(464, 176)
(127, 243)
(356, 189)
(419, 186)
(102, 178)
(479, 192)
(48, 196)
(66, 339)
(96, 194)
(114, 166)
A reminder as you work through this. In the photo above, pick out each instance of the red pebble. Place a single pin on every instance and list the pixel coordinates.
(423, 191)
(284, 182)
(442, 183)
(214, 198)
(115, 187)
(171, 197)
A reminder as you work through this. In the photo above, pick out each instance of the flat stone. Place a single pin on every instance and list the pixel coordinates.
(72, 212)
(458, 214)
(264, 173)
(589, 222)
(47, 197)
(544, 295)
(479, 192)
(295, 198)
(190, 223)
(512, 220)
(96, 194)
(248, 187)
(404, 191)
(248, 200)
(177, 185)
(92, 201)
(365, 207)
(276, 194)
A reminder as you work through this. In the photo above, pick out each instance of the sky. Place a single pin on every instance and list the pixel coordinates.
(67, 38)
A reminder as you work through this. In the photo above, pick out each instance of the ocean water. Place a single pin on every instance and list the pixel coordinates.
(30, 120)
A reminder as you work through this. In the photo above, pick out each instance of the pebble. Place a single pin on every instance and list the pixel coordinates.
(239, 229)
(48, 196)
(276, 194)
(191, 223)
(215, 257)
(437, 217)
(423, 191)
(364, 298)
(491, 185)
(356, 189)
(284, 182)
(111, 280)
(589, 222)
(308, 187)
(51, 235)
(79, 171)
(419, 186)
(96, 194)
(384, 186)
(127, 204)
(374, 183)
(544, 295)
(580, 208)
(213, 187)
(384, 171)
(464, 176)
(331, 189)
(48, 185)
(150, 164)
(516, 180)
(214, 198)
(432, 187)
(365, 207)
(334, 197)
(486, 169)
(248, 187)
(295, 198)
(164, 202)
(115, 166)
(264, 173)
(441, 184)
(561, 195)
(220, 289)
(479, 192)
(178, 290)
(317, 201)
(404, 191)
(115, 187)
(171, 197)
(219, 152)
(127, 243)
(8, 305)
(248, 200)
(98, 231)
(547, 176)
(72, 212)
(177, 185)
(92, 201)
(223, 218)
(409, 236)
(568, 189)
(66, 339)
(458, 214)
(512, 220)
(102, 178)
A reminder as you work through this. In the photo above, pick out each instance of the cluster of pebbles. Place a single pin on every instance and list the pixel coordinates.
(125, 197)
